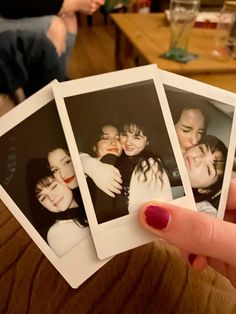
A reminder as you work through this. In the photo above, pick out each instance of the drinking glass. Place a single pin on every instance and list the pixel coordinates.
(225, 36)
(182, 17)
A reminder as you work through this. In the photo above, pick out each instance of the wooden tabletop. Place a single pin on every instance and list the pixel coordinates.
(150, 35)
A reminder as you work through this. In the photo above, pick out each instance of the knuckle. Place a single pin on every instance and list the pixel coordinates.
(202, 231)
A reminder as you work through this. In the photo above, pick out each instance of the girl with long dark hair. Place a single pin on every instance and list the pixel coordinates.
(55, 212)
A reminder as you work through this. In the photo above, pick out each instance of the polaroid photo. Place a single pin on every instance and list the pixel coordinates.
(39, 186)
(204, 119)
(120, 134)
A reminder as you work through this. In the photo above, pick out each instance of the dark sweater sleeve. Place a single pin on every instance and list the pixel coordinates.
(29, 8)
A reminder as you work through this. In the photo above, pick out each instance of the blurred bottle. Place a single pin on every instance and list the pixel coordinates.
(225, 38)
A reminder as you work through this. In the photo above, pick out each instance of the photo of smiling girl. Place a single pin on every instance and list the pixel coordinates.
(62, 168)
(56, 213)
(142, 175)
(104, 149)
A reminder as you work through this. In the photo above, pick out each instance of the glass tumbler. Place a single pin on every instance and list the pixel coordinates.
(182, 17)
(225, 36)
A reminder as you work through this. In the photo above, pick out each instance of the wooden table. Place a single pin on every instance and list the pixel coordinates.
(142, 38)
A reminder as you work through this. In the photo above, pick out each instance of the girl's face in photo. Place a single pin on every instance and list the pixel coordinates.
(62, 168)
(202, 167)
(190, 128)
(109, 142)
(54, 196)
(133, 140)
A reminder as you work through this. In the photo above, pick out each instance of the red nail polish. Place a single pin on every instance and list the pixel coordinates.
(191, 258)
(157, 217)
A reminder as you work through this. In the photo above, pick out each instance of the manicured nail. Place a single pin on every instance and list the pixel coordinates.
(157, 217)
(191, 258)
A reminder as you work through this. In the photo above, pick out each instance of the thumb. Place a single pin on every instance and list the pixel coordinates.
(191, 231)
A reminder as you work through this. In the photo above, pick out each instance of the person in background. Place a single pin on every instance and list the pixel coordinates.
(28, 62)
(56, 19)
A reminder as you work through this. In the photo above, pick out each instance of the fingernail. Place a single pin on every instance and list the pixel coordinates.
(157, 217)
(191, 258)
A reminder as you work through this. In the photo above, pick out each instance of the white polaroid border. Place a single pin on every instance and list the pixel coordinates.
(123, 233)
(224, 102)
(81, 261)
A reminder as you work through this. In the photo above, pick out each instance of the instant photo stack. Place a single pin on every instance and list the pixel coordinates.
(79, 158)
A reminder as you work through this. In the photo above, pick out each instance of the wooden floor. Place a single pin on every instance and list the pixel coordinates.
(93, 52)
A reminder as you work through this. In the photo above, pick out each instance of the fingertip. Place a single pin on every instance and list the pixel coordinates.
(111, 194)
(154, 217)
(143, 209)
(198, 262)
(142, 217)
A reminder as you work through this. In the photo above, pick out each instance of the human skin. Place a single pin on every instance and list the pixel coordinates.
(105, 176)
(83, 6)
(202, 239)
(55, 196)
(201, 168)
(66, 20)
(62, 168)
(109, 142)
(190, 128)
(133, 141)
